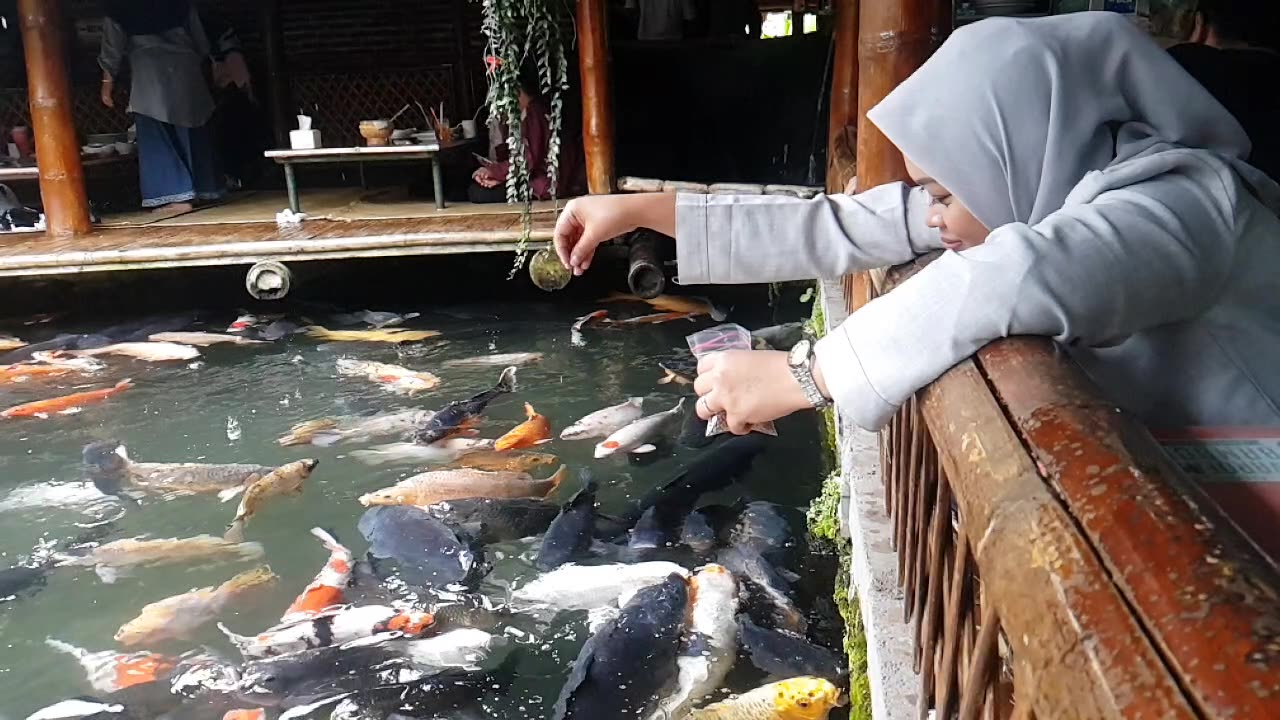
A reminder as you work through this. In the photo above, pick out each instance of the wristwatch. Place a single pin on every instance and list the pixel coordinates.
(800, 360)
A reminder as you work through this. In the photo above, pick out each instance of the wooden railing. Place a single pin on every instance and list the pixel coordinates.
(1056, 565)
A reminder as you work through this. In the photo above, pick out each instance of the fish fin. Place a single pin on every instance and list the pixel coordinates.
(328, 540)
(644, 449)
(66, 647)
(557, 478)
(679, 406)
(507, 380)
(306, 432)
(543, 442)
(667, 379)
(109, 574)
(124, 384)
(529, 412)
(240, 641)
(235, 531)
(229, 494)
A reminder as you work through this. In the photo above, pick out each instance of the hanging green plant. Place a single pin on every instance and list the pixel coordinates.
(520, 32)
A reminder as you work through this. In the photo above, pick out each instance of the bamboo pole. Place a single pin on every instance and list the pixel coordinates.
(844, 82)
(597, 103)
(62, 190)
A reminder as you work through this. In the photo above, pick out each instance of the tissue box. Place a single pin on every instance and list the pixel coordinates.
(304, 139)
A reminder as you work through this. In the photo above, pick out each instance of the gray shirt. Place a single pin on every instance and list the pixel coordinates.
(167, 69)
(662, 19)
(1158, 275)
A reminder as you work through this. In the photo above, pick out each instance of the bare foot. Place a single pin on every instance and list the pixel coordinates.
(174, 208)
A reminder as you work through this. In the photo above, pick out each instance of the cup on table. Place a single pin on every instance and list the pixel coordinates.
(468, 129)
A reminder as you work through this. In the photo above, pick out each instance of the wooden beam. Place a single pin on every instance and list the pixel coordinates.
(844, 86)
(278, 95)
(62, 190)
(597, 102)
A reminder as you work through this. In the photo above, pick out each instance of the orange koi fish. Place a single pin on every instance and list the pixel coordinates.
(576, 338)
(109, 671)
(255, 714)
(329, 588)
(534, 431)
(18, 373)
(671, 303)
(44, 408)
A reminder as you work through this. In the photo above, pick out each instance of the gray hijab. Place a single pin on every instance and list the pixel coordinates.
(1009, 115)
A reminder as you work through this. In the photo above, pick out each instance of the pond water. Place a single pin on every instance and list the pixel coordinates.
(232, 404)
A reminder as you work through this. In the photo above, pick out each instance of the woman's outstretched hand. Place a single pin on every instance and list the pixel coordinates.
(588, 221)
(748, 386)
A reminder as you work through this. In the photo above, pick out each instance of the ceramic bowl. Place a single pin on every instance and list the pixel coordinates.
(376, 132)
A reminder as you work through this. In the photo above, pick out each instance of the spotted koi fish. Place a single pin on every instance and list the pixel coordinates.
(329, 588)
(337, 626)
(108, 671)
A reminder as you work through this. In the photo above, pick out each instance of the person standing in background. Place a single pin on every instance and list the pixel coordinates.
(662, 19)
(1232, 53)
(169, 99)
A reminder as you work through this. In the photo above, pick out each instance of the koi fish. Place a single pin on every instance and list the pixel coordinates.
(109, 671)
(654, 319)
(149, 351)
(799, 698)
(603, 423)
(376, 319)
(9, 342)
(530, 433)
(588, 587)
(179, 616)
(284, 480)
(576, 337)
(388, 335)
(21, 373)
(672, 376)
(108, 465)
(462, 415)
(494, 461)
(118, 558)
(500, 359)
(394, 377)
(710, 643)
(329, 588)
(202, 339)
(429, 488)
(337, 626)
(638, 437)
(254, 714)
(76, 708)
(57, 358)
(328, 431)
(672, 303)
(66, 403)
(437, 453)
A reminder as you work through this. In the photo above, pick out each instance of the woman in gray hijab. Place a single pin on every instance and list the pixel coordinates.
(1084, 187)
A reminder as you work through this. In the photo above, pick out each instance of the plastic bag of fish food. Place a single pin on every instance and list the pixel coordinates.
(729, 336)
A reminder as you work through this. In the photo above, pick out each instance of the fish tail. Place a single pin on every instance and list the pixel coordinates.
(78, 653)
(229, 494)
(124, 384)
(507, 381)
(669, 376)
(247, 580)
(679, 406)
(306, 432)
(557, 478)
(235, 531)
(329, 541)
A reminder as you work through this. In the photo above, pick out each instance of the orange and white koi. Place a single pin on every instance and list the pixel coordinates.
(576, 337)
(65, 403)
(534, 431)
(337, 626)
(329, 588)
(671, 303)
(181, 615)
(394, 377)
(109, 671)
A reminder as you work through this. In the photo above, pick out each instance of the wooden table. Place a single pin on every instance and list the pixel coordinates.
(386, 153)
(32, 172)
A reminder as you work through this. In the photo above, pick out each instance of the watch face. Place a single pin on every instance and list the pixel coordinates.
(799, 353)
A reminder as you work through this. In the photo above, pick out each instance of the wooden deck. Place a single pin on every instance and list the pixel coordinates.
(344, 223)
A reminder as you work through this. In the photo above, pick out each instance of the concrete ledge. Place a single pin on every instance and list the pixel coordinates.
(895, 686)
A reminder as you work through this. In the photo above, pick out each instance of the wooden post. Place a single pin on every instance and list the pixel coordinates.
(464, 65)
(66, 204)
(894, 38)
(597, 103)
(844, 82)
(278, 95)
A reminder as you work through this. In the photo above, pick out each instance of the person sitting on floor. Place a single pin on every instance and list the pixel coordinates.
(1081, 186)
(489, 182)
(1232, 52)
(167, 49)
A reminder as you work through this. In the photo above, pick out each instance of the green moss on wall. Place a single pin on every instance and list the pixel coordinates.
(824, 526)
